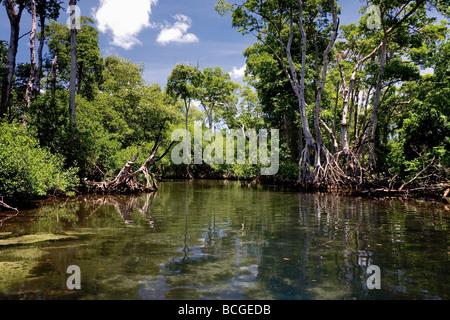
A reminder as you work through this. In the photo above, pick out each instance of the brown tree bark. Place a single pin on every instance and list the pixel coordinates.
(14, 20)
(39, 54)
(73, 63)
(368, 135)
(31, 79)
(320, 147)
(53, 75)
(376, 107)
(326, 169)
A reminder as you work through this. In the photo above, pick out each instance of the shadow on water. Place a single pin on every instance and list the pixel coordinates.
(225, 240)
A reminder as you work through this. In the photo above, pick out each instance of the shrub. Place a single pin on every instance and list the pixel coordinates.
(26, 169)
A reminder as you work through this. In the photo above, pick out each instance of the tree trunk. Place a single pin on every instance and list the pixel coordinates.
(187, 107)
(335, 113)
(210, 119)
(301, 89)
(73, 62)
(347, 93)
(356, 115)
(39, 54)
(366, 105)
(371, 129)
(325, 63)
(350, 115)
(368, 133)
(31, 79)
(291, 137)
(53, 76)
(80, 77)
(14, 20)
(298, 86)
(326, 170)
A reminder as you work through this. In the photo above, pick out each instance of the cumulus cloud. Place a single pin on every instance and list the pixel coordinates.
(177, 32)
(124, 19)
(237, 74)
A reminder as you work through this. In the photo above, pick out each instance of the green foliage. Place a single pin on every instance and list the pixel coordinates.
(26, 169)
(288, 170)
(3, 57)
(52, 219)
(214, 90)
(119, 115)
(48, 116)
(48, 9)
(244, 111)
(421, 131)
(183, 82)
(424, 129)
(89, 61)
(126, 117)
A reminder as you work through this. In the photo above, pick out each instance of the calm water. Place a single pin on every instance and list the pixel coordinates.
(224, 240)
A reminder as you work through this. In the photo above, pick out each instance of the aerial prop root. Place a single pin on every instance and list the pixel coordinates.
(326, 170)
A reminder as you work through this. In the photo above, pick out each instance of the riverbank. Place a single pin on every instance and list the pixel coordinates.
(437, 193)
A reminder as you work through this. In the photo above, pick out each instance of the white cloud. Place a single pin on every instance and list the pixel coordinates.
(177, 32)
(237, 74)
(125, 19)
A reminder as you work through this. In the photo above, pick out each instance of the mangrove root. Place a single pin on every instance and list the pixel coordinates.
(127, 180)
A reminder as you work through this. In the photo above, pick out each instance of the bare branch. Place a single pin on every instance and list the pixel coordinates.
(417, 175)
(7, 206)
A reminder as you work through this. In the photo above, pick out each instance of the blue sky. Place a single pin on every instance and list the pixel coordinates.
(179, 31)
(162, 33)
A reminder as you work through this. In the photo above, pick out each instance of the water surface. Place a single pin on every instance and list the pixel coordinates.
(226, 240)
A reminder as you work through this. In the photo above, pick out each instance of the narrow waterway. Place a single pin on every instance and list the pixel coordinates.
(226, 240)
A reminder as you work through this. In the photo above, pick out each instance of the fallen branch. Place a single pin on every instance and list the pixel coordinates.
(417, 175)
(7, 206)
(126, 181)
(446, 193)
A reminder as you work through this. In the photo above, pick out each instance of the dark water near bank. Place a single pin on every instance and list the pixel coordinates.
(223, 240)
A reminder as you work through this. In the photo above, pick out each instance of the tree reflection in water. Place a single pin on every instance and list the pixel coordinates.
(227, 240)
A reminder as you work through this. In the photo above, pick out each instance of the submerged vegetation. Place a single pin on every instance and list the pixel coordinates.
(223, 240)
(357, 107)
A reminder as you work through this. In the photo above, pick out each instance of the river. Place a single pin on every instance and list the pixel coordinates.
(226, 240)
